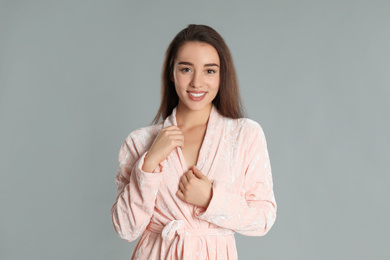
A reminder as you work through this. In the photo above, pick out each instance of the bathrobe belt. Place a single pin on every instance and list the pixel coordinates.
(176, 228)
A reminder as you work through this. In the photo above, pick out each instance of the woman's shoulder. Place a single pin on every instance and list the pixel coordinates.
(146, 130)
(244, 125)
(245, 131)
(144, 135)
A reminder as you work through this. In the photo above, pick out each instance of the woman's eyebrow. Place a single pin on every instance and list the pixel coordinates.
(186, 63)
(190, 64)
(211, 65)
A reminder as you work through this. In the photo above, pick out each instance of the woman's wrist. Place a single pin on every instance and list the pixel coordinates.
(150, 164)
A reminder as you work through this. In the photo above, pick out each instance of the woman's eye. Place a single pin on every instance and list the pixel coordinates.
(186, 70)
(210, 71)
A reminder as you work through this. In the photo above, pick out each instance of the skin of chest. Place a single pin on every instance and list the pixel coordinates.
(193, 139)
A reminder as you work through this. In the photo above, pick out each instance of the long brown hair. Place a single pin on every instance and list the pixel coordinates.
(227, 101)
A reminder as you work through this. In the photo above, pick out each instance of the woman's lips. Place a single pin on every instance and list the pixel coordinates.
(196, 96)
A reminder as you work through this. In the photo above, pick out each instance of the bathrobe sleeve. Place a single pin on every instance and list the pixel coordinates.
(137, 192)
(250, 211)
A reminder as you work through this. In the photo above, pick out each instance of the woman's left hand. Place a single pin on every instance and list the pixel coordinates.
(195, 188)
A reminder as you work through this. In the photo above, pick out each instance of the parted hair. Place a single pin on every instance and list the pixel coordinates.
(228, 100)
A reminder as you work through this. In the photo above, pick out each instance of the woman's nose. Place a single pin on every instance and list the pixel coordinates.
(197, 80)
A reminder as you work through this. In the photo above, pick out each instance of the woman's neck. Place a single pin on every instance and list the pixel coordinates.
(187, 118)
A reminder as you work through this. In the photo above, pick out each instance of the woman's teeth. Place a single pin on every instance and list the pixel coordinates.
(197, 94)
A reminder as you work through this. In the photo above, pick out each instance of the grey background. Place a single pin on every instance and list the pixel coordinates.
(76, 77)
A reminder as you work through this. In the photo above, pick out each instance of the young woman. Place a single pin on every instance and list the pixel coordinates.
(186, 184)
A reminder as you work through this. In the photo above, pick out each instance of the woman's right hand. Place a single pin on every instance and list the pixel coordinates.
(167, 140)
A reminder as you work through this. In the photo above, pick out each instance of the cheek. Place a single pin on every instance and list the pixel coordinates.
(180, 81)
(215, 84)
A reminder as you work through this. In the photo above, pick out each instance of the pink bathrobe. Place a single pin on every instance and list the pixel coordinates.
(233, 156)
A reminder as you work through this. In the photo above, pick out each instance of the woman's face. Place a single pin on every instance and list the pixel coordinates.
(196, 74)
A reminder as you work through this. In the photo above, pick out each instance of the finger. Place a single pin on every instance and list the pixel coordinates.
(179, 141)
(173, 136)
(176, 143)
(174, 132)
(181, 187)
(180, 195)
(184, 179)
(177, 137)
(169, 131)
(198, 173)
(172, 127)
(190, 175)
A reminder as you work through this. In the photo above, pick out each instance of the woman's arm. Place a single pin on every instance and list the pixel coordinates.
(137, 192)
(252, 211)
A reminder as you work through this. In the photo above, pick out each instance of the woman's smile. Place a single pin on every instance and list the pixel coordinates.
(196, 96)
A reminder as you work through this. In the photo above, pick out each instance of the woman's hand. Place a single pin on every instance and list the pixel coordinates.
(167, 139)
(195, 188)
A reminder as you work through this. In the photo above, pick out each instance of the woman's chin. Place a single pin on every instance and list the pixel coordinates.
(195, 105)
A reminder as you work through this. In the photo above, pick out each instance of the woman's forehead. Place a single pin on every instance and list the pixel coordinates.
(197, 52)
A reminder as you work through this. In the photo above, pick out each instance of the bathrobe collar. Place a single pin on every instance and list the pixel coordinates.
(214, 124)
(213, 118)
